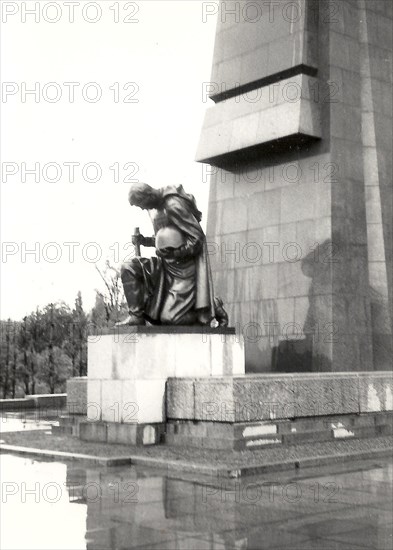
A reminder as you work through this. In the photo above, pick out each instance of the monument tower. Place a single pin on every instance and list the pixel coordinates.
(299, 236)
(300, 207)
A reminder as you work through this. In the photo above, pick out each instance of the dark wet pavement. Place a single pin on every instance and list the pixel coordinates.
(55, 505)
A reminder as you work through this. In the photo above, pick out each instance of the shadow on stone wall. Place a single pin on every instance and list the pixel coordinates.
(312, 351)
(381, 335)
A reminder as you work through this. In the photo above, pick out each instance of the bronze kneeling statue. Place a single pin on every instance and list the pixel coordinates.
(175, 287)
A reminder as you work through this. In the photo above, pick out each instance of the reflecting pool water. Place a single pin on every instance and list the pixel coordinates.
(59, 505)
(28, 420)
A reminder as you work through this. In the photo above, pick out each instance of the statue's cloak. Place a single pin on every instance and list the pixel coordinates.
(179, 210)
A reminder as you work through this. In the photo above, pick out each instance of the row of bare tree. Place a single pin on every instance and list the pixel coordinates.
(39, 353)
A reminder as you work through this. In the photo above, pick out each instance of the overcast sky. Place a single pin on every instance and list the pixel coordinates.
(162, 60)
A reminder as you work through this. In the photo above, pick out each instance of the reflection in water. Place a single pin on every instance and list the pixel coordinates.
(36, 509)
(65, 506)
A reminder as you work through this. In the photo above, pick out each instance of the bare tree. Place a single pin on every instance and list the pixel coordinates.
(51, 365)
(14, 365)
(113, 296)
(76, 342)
(24, 344)
(6, 363)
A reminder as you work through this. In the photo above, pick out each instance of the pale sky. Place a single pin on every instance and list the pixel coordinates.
(165, 56)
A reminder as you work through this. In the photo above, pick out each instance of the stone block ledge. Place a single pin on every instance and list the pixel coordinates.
(36, 401)
(166, 329)
(239, 124)
(257, 397)
(77, 395)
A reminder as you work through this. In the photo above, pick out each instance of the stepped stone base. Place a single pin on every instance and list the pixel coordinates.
(128, 368)
(240, 436)
(126, 434)
(69, 425)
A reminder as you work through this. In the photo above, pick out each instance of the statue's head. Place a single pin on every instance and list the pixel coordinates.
(144, 196)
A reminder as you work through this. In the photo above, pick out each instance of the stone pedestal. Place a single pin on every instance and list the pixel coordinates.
(255, 411)
(128, 369)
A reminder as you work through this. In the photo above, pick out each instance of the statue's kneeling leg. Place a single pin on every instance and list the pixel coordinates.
(134, 290)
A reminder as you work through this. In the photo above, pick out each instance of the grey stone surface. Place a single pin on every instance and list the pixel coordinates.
(127, 372)
(261, 41)
(213, 399)
(69, 424)
(93, 431)
(16, 404)
(334, 193)
(258, 435)
(180, 398)
(134, 434)
(49, 400)
(238, 123)
(164, 329)
(77, 395)
(376, 392)
(316, 395)
(273, 397)
(123, 434)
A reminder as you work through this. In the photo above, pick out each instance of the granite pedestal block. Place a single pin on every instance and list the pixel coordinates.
(128, 369)
(257, 411)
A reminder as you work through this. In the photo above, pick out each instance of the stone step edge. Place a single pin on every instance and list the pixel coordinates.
(303, 462)
(308, 462)
(263, 468)
(43, 453)
(112, 461)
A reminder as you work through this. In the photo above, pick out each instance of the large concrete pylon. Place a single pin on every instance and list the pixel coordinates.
(300, 207)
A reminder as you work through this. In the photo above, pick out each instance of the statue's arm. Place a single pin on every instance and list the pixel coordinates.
(144, 241)
(149, 241)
